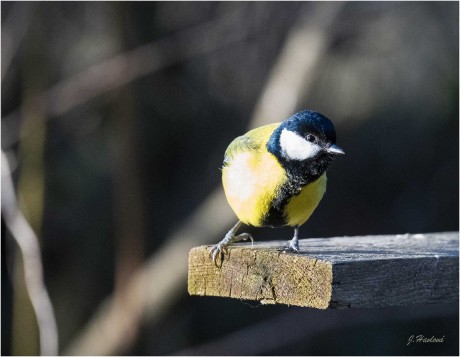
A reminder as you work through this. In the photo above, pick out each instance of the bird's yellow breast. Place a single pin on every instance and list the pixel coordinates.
(250, 183)
(299, 208)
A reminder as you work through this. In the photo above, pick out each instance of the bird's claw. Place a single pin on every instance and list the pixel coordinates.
(220, 249)
(293, 246)
(246, 236)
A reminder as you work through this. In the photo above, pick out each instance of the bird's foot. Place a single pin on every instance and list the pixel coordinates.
(293, 245)
(294, 242)
(221, 248)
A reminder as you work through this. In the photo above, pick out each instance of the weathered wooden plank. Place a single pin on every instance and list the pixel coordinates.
(341, 272)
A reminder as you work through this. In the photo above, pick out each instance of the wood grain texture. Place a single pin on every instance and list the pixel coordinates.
(340, 272)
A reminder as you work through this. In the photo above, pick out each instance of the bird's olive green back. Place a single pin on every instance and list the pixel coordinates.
(253, 140)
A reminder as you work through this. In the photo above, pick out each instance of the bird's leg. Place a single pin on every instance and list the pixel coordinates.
(221, 247)
(294, 242)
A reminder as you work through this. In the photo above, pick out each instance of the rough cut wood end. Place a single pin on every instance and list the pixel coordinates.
(265, 275)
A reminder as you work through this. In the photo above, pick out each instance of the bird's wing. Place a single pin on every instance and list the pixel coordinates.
(253, 140)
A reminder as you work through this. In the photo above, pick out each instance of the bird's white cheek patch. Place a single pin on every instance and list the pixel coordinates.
(294, 147)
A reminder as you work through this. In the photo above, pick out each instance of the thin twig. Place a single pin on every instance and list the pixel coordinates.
(33, 267)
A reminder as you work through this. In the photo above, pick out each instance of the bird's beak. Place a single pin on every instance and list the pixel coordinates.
(336, 150)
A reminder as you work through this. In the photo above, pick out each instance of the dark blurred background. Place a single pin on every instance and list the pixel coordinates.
(115, 118)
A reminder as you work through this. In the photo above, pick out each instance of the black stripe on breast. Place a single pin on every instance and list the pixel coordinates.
(275, 216)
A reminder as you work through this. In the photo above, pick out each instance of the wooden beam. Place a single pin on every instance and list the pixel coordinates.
(340, 272)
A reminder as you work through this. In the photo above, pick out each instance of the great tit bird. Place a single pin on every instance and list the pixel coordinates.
(275, 175)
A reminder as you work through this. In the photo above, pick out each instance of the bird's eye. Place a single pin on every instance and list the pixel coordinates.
(311, 138)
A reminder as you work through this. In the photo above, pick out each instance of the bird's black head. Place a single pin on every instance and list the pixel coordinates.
(305, 145)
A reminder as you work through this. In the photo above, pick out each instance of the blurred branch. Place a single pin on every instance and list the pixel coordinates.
(128, 200)
(14, 30)
(33, 267)
(155, 286)
(293, 74)
(31, 184)
(124, 68)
